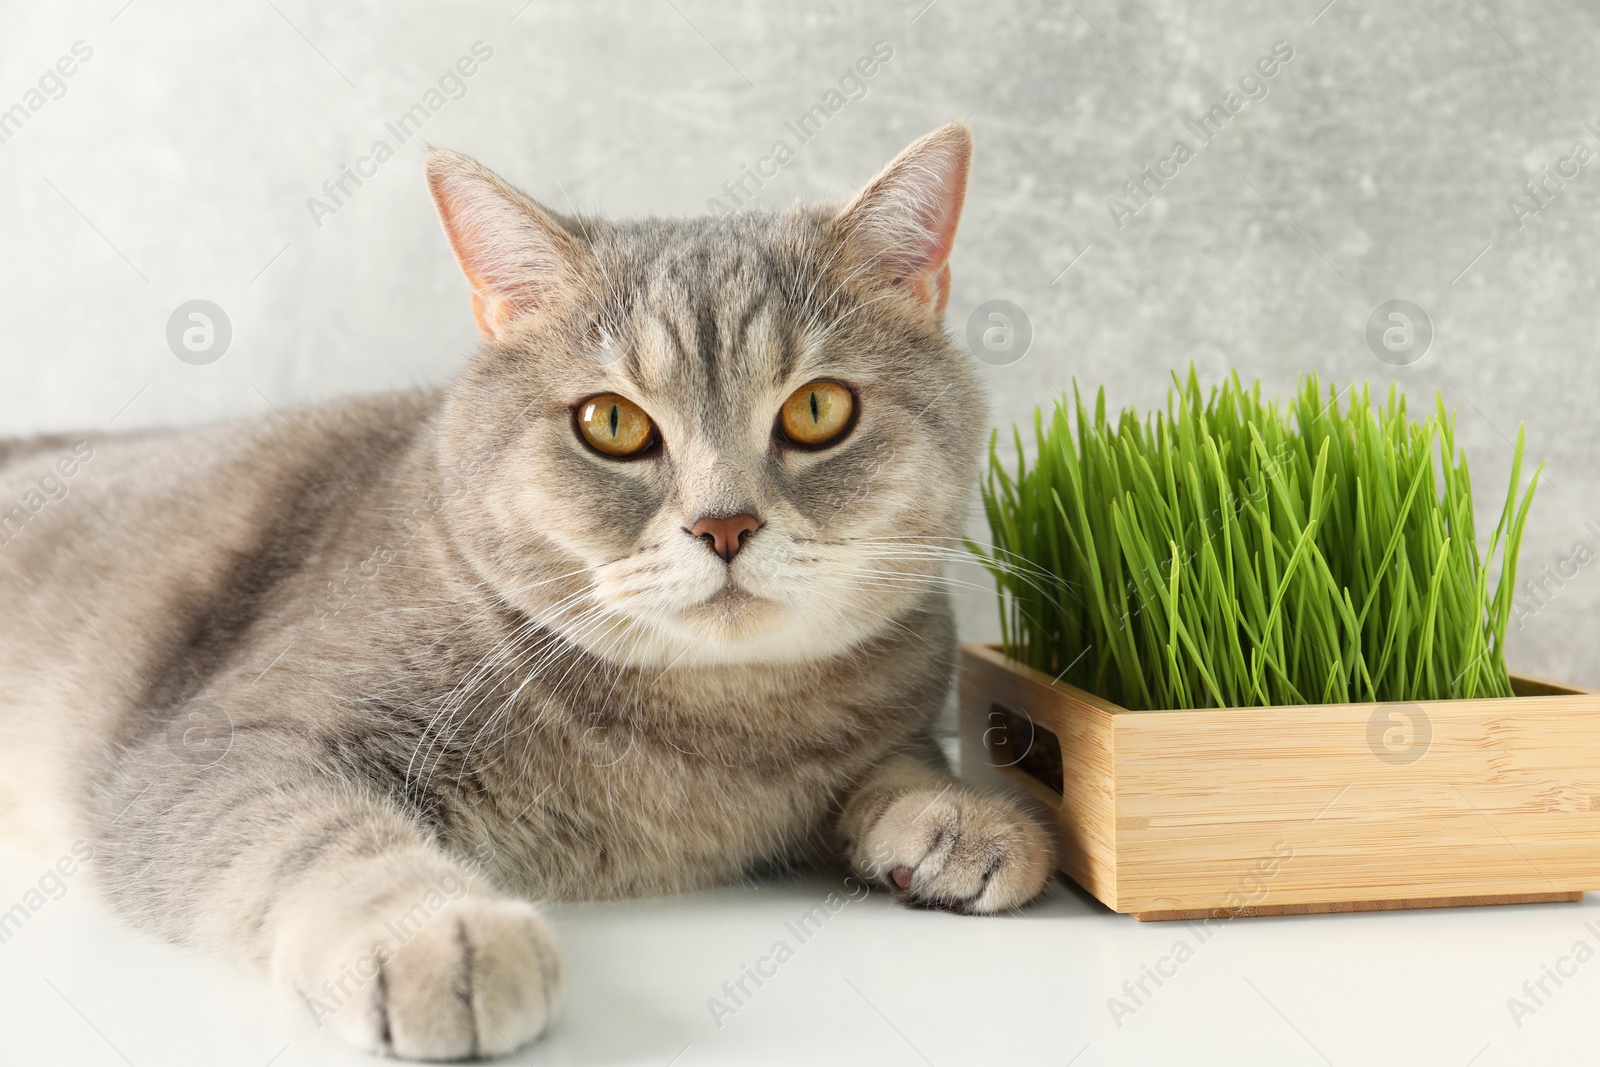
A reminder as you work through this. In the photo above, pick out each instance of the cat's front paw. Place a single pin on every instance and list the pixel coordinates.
(958, 849)
(478, 978)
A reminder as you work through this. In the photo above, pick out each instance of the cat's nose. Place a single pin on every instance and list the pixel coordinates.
(725, 534)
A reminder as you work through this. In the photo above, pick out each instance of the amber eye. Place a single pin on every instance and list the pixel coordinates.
(815, 414)
(616, 426)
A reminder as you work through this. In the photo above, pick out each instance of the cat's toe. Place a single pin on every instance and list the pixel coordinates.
(478, 979)
(960, 850)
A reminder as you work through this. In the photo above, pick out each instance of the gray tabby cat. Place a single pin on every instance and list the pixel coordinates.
(645, 601)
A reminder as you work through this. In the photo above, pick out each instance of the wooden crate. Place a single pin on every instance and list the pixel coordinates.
(1253, 811)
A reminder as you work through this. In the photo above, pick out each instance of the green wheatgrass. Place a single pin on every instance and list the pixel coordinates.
(1233, 553)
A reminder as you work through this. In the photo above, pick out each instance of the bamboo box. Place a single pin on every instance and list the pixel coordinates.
(1255, 811)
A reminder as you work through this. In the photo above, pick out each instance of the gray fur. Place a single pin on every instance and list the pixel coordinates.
(295, 676)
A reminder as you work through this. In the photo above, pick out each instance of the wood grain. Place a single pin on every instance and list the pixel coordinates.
(1337, 806)
(1359, 905)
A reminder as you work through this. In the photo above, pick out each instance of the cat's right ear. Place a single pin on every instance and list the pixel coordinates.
(516, 256)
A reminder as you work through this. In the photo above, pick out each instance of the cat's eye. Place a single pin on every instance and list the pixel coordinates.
(817, 414)
(616, 426)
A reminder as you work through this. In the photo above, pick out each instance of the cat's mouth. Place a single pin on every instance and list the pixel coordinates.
(734, 610)
(730, 597)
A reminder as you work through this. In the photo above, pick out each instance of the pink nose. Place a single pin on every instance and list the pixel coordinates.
(725, 534)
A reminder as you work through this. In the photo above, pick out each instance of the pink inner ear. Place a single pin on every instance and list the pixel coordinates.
(510, 255)
(937, 205)
(944, 288)
(478, 235)
(907, 215)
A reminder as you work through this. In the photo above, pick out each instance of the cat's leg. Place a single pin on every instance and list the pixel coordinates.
(913, 829)
(270, 856)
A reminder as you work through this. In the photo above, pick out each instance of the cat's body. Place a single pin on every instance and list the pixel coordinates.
(426, 656)
(352, 603)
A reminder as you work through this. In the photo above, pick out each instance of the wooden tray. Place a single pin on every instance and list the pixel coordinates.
(1323, 808)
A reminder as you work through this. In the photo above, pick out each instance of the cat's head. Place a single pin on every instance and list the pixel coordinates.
(744, 439)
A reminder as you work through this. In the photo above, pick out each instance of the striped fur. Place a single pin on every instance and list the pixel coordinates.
(336, 692)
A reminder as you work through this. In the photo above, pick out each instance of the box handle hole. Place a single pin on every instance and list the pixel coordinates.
(1012, 739)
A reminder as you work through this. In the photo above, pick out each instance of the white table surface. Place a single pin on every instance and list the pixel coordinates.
(876, 984)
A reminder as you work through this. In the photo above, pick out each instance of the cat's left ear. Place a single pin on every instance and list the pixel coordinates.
(904, 221)
(516, 255)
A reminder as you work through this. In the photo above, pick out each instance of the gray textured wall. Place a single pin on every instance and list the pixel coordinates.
(177, 160)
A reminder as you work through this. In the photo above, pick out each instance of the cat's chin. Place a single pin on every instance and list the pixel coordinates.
(732, 602)
(733, 615)
(730, 627)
